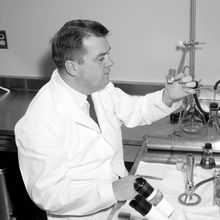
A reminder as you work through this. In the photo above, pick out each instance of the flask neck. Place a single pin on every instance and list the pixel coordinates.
(208, 152)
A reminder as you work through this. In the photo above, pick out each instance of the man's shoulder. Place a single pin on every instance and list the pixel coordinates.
(109, 88)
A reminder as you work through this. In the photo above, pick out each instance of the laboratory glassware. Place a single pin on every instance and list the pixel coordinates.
(207, 160)
(189, 197)
(192, 121)
(213, 124)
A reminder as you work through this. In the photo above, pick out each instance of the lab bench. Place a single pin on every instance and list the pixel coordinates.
(163, 142)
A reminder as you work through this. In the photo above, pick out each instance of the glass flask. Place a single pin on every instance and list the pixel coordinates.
(207, 161)
(213, 124)
(192, 120)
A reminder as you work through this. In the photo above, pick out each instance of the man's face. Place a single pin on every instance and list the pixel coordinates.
(95, 68)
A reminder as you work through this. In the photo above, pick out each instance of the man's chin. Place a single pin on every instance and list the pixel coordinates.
(104, 85)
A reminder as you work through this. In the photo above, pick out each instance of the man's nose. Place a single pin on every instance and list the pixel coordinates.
(109, 61)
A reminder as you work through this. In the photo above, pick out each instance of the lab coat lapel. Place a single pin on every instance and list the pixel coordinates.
(65, 103)
(111, 132)
(108, 131)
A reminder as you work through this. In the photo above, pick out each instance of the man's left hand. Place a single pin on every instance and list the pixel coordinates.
(180, 88)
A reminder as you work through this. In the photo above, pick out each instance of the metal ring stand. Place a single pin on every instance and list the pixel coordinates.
(189, 200)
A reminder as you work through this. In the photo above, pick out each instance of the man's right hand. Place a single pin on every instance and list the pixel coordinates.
(124, 188)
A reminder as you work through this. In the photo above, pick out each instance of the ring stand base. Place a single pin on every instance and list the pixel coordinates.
(189, 200)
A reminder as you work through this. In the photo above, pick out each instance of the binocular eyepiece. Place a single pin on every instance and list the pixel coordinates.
(143, 187)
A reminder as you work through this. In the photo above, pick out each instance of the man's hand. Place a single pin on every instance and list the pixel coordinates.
(124, 188)
(180, 88)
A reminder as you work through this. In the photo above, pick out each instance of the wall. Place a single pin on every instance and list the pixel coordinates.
(144, 34)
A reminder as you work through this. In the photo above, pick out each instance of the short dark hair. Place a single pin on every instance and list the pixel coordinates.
(67, 43)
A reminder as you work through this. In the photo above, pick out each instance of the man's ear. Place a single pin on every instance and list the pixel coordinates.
(71, 67)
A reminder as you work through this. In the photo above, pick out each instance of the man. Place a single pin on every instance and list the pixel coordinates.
(71, 165)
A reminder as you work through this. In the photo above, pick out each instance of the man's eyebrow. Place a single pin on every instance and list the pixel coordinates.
(103, 54)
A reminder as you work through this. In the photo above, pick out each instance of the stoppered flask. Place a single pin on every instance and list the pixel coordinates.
(154, 196)
(145, 208)
(213, 124)
(207, 161)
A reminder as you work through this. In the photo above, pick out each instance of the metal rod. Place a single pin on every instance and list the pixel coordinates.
(5, 202)
(192, 37)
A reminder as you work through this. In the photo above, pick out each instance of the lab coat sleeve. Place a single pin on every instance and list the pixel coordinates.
(141, 110)
(44, 166)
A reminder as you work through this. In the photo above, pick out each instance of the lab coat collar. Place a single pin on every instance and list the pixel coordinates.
(65, 102)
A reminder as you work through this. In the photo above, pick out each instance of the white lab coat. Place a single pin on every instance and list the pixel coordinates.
(67, 163)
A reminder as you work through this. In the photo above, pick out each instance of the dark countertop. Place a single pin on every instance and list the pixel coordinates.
(12, 107)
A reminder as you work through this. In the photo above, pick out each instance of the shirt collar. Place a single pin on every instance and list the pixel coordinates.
(78, 97)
